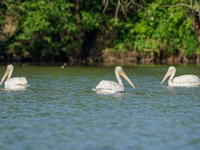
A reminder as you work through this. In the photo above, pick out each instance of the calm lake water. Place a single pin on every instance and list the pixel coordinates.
(60, 111)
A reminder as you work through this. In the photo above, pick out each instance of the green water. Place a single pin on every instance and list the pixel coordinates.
(60, 111)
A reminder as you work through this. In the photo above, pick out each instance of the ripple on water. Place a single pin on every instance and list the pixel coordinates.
(59, 110)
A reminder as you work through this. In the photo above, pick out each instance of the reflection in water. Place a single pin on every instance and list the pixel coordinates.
(60, 111)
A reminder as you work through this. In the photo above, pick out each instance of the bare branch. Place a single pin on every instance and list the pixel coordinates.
(190, 2)
(116, 12)
(124, 5)
(133, 2)
(103, 3)
(106, 5)
(7, 4)
(123, 10)
(113, 3)
(144, 3)
(179, 5)
(128, 3)
(196, 9)
(124, 2)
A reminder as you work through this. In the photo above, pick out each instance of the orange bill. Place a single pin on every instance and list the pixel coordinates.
(122, 73)
(4, 76)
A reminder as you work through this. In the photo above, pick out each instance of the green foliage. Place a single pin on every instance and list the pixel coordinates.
(91, 21)
(44, 21)
(158, 28)
(51, 26)
(48, 27)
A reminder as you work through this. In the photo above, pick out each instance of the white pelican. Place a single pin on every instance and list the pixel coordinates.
(16, 83)
(111, 87)
(184, 80)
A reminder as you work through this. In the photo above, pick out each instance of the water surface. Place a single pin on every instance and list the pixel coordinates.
(60, 111)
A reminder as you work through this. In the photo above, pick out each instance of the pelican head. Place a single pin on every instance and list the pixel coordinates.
(171, 70)
(8, 73)
(120, 71)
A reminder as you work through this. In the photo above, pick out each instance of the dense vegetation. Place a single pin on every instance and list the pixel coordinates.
(73, 30)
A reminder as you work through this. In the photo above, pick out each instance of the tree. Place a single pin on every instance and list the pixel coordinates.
(47, 29)
(155, 26)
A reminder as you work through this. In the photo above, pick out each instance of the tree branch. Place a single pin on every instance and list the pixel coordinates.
(133, 2)
(189, 6)
(116, 12)
(106, 5)
(113, 3)
(7, 4)
(124, 5)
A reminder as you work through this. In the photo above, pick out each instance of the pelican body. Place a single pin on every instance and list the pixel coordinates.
(15, 83)
(111, 87)
(184, 80)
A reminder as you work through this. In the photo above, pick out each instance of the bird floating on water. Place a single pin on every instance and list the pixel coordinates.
(111, 87)
(184, 80)
(63, 66)
(15, 83)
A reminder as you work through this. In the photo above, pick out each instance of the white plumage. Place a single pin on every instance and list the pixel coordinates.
(15, 83)
(184, 80)
(111, 87)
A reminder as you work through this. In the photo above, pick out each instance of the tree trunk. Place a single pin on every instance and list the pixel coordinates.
(196, 28)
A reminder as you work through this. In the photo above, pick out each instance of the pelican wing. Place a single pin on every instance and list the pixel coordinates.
(186, 79)
(16, 83)
(109, 86)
